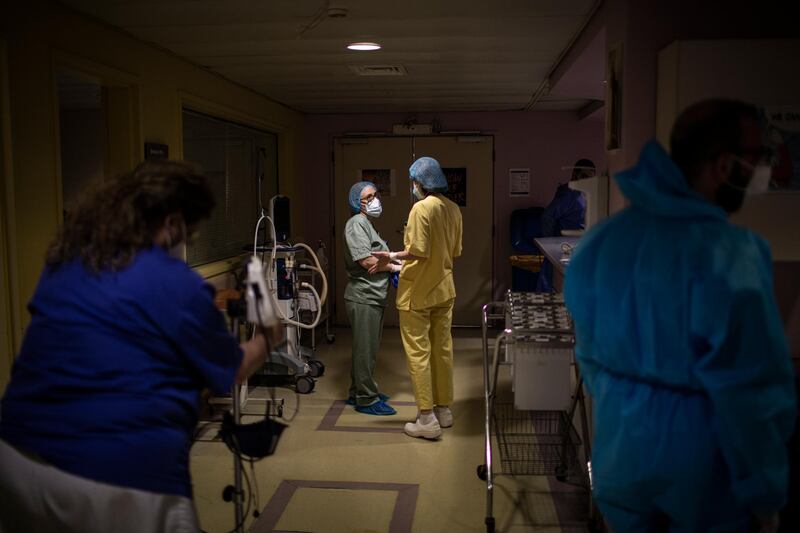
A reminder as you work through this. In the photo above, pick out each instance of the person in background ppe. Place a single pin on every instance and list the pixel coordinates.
(425, 296)
(567, 210)
(98, 418)
(679, 337)
(365, 297)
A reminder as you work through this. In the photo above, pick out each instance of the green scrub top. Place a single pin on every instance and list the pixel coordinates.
(361, 240)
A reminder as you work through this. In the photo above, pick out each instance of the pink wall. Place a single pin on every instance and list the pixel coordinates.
(644, 27)
(541, 141)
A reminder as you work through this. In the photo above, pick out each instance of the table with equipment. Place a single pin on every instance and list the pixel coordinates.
(558, 251)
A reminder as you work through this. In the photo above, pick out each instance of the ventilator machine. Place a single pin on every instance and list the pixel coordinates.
(276, 269)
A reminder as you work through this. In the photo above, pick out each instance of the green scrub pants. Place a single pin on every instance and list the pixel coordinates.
(366, 321)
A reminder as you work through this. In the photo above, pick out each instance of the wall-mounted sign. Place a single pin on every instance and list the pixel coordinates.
(519, 181)
(456, 185)
(383, 178)
(783, 138)
(155, 151)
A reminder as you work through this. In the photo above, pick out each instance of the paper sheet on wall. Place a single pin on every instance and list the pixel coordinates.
(783, 138)
(519, 181)
(383, 178)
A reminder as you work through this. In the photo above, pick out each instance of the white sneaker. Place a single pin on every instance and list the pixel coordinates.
(444, 415)
(431, 430)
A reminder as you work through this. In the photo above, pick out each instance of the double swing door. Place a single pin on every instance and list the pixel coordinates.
(385, 161)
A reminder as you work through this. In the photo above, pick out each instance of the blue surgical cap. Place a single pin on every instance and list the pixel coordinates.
(355, 194)
(428, 173)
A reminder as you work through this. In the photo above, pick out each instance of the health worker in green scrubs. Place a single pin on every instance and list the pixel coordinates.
(365, 297)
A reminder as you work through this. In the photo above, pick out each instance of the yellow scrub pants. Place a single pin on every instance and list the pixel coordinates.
(429, 353)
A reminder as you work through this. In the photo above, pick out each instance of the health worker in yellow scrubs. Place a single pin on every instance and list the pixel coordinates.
(425, 296)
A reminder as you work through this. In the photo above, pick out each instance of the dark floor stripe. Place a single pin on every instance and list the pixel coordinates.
(336, 409)
(402, 516)
(571, 503)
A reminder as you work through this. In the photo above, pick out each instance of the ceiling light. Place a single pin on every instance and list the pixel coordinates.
(364, 46)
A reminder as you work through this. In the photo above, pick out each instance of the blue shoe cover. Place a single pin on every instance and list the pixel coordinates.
(379, 408)
(352, 401)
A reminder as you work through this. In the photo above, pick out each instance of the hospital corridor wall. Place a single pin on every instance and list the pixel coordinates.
(545, 142)
(44, 38)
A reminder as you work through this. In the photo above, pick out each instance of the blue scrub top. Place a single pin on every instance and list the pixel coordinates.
(567, 210)
(107, 383)
(682, 346)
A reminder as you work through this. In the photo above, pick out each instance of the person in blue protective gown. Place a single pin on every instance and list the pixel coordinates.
(680, 341)
(98, 418)
(567, 210)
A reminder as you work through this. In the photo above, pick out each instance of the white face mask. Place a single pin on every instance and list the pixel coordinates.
(759, 183)
(374, 208)
(759, 179)
(416, 192)
(177, 252)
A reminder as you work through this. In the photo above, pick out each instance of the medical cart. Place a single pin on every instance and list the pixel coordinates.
(534, 433)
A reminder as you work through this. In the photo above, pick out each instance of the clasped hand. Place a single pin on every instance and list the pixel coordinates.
(382, 262)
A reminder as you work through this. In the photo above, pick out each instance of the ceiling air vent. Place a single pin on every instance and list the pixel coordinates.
(379, 70)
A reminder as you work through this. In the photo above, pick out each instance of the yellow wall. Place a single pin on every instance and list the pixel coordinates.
(43, 36)
(7, 291)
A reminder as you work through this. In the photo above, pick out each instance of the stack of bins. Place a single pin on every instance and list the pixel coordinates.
(534, 433)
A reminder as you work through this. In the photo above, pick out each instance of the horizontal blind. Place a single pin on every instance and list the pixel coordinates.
(233, 158)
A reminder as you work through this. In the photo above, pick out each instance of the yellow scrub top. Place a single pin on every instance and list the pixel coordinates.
(433, 232)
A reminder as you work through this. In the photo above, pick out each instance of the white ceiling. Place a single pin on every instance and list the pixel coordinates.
(460, 55)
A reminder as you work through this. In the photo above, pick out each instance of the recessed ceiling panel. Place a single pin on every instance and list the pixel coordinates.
(457, 54)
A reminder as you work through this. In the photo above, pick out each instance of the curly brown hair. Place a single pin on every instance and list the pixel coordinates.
(119, 217)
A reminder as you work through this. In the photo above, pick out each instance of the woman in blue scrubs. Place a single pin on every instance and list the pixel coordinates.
(97, 420)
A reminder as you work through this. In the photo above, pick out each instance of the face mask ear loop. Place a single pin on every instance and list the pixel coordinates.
(741, 162)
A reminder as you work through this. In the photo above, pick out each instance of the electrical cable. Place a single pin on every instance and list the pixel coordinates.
(249, 496)
(324, 295)
(272, 290)
(235, 449)
(255, 485)
(319, 269)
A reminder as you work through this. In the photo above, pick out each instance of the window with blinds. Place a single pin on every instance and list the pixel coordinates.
(239, 162)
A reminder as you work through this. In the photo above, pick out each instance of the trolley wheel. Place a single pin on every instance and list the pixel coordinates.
(561, 473)
(304, 384)
(330, 338)
(489, 524)
(482, 472)
(316, 368)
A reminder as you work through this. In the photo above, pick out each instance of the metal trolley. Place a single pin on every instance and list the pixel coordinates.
(535, 434)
